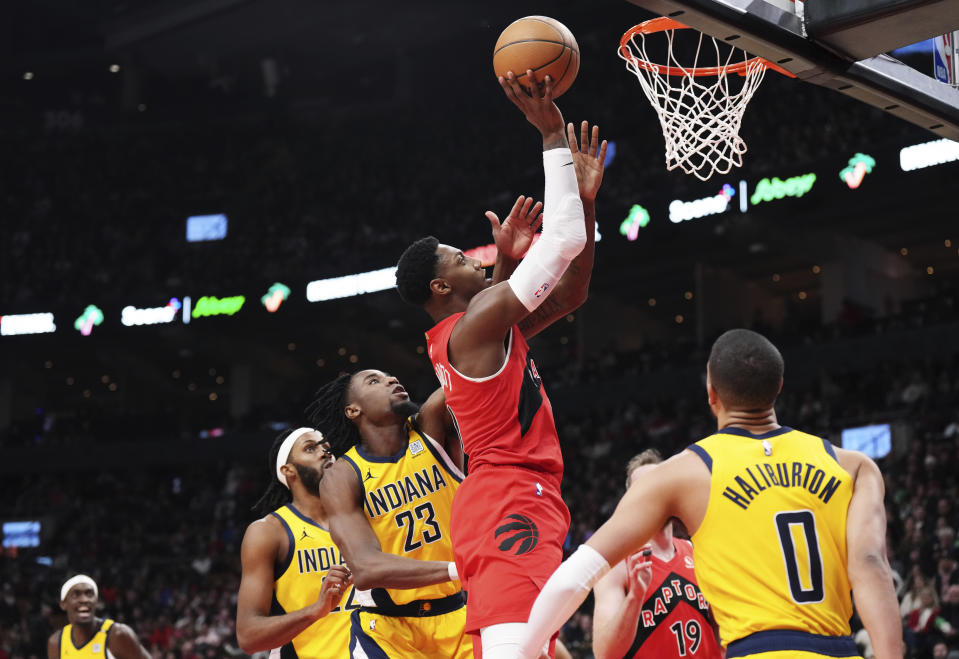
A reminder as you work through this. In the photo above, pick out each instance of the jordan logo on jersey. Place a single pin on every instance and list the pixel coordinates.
(518, 528)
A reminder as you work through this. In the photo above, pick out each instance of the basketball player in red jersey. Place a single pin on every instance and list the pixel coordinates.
(509, 520)
(649, 605)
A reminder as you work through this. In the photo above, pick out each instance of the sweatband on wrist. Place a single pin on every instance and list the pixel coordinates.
(561, 596)
(454, 574)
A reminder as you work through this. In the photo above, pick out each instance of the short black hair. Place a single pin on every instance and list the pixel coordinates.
(746, 370)
(416, 269)
(327, 413)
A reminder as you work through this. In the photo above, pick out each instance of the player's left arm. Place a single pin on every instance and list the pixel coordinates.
(124, 643)
(867, 565)
(435, 420)
(589, 159)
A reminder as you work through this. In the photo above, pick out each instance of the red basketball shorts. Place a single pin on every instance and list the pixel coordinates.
(508, 526)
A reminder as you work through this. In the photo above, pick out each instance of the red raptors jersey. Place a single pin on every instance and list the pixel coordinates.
(674, 620)
(505, 418)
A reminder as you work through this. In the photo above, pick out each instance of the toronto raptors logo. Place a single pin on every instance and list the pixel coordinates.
(517, 529)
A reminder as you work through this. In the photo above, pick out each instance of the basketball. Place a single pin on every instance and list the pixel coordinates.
(542, 44)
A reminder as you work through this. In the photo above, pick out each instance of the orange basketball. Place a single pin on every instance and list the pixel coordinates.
(542, 44)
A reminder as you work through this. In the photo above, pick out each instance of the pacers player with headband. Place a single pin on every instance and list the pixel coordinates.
(295, 596)
(389, 498)
(86, 635)
(783, 526)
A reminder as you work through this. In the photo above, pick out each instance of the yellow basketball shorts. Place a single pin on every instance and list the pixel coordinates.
(791, 644)
(377, 636)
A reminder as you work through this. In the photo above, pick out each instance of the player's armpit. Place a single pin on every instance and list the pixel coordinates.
(476, 343)
(432, 418)
(435, 420)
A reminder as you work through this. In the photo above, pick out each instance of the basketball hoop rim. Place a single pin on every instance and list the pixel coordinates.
(663, 24)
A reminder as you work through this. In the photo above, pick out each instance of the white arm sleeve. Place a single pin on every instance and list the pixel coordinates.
(564, 232)
(560, 597)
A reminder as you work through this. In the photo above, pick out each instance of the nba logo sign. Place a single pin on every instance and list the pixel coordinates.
(541, 290)
(945, 50)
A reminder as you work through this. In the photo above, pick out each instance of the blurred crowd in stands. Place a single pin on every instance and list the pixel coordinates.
(94, 204)
(164, 543)
(100, 205)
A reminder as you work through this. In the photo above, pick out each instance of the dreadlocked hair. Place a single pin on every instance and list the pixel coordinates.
(276, 493)
(327, 414)
(416, 269)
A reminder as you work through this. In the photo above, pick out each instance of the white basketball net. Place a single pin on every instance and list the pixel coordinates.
(700, 115)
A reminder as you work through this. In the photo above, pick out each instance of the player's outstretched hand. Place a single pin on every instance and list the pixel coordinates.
(589, 158)
(639, 574)
(514, 235)
(335, 583)
(537, 104)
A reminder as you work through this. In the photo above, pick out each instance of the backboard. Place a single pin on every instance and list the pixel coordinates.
(840, 45)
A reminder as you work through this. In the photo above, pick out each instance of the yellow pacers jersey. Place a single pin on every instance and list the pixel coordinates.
(95, 647)
(298, 582)
(771, 551)
(408, 498)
